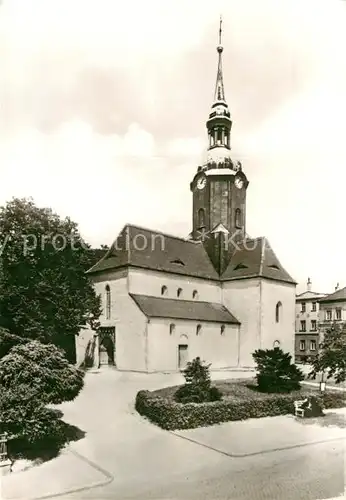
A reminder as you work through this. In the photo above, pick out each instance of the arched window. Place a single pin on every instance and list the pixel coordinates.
(179, 292)
(238, 218)
(164, 290)
(222, 329)
(171, 328)
(201, 218)
(276, 343)
(278, 309)
(198, 329)
(195, 294)
(108, 302)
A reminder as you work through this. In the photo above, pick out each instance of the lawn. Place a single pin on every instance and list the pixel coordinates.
(241, 389)
(241, 400)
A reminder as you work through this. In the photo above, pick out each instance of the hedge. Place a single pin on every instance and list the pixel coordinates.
(170, 415)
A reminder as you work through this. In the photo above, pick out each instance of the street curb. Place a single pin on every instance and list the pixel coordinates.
(244, 455)
(109, 476)
(330, 388)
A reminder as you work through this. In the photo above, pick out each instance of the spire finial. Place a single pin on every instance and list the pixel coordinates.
(220, 30)
(219, 90)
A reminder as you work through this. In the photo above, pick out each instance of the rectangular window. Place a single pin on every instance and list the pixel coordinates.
(303, 326)
(338, 314)
(302, 345)
(313, 345)
(303, 309)
(329, 315)
(314, 325)
(314, 307)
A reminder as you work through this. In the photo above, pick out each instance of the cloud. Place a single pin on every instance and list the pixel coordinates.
(186, 147)
(82, 174)
(104, 107)
(98, 61)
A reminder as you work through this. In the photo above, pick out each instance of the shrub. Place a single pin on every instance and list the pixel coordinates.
(215, 394)
(197, 372)
(31, 376)
(44, 368)
(8, 340)
(197, 388)
(275, 372)
(23, 414)
(171, 415)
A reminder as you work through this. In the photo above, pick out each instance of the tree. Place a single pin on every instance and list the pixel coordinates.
(197, 388)
(94, 255)
(331, 358)
(44, 291)
(275, 371)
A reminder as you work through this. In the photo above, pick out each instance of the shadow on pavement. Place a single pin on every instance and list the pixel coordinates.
(46, 449)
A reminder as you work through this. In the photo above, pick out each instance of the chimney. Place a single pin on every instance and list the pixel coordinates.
(308, 285)
(337, 287)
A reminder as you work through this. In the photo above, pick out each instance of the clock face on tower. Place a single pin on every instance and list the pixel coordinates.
(239, 183)
(201, 182)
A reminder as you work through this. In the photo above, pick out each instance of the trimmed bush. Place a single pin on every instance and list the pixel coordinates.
(197, 388)
(276, 372)
(171, 415)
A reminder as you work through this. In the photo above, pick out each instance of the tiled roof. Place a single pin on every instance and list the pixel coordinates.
(255, 258)
(335, 296)
(156, 307)
(144, 248)
(148, 249)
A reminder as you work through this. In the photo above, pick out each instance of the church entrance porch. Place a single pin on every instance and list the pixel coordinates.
(107, 346)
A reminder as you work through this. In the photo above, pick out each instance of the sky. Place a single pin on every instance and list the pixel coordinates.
(104, 103)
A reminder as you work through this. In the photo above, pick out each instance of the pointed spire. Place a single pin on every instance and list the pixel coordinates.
(219, 123)
(219, 88)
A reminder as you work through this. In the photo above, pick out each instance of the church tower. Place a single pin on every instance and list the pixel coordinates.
(219, 186)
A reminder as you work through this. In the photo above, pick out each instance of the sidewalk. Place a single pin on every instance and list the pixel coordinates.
(69, 472)
(257, 436)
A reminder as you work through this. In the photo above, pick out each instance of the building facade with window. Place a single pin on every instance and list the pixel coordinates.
(332, 309)
(307, 323)
(218, 294)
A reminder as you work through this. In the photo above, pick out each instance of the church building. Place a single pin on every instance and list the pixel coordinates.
(218, 294)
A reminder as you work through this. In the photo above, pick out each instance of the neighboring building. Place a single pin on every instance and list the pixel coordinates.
(219, 294)
(332, 309)
(307, 323)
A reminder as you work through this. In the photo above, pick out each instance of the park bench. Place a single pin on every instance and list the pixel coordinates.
(299, 409)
